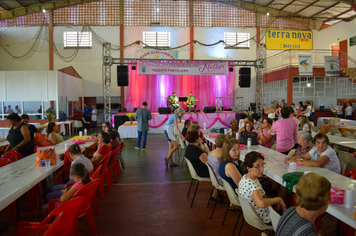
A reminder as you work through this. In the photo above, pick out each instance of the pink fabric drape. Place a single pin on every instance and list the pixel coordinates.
(155, 88)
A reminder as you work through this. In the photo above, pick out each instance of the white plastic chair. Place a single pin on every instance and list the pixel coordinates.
(233, 198)
(195, 178)
(77, 125)
(215, 184)
(274, 217)
(181, 148)
(348, 159)
(291, 152)
(251, 216)
(348, 134)
(274, 146)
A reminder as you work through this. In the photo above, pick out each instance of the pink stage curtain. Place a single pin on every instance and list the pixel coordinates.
(155, 88)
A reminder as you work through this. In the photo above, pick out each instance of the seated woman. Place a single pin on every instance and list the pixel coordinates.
(214, 155)
(186, 126)
(52, 134)
(321, 155)
(19, 136)
(25, 119)
(113, 139)
(312, 197)
(250, 187)
(229, 170)
(304, 143)
(248, 132)
(196, 154)
(304, 124)
(265, 138)
(103, 147)
(201, 135)
(196, 127)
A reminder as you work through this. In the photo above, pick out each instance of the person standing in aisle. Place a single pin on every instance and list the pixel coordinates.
(142, 115)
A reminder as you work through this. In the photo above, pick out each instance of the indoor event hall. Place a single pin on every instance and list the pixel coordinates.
(177, 117)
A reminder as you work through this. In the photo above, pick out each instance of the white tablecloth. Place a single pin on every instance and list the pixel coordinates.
(348, 122)
(131, 131)
(19, 177)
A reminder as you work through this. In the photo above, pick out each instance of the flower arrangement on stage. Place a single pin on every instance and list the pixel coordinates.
(249, 114)
(50, 116)
(131, 116)
(335, 111)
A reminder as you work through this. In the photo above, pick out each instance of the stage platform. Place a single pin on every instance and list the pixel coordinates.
(211, 120)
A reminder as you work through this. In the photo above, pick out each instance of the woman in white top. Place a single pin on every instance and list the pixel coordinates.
(271, 112)
(349, 110)
(340, 113)
(307, 111)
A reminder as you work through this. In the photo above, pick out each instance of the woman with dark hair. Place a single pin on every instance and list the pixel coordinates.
(186, 126)
(19, 136)
(25, 119)
(349, 110)
(196, 155)
(286, 130)
(248, 132)
(312, 197)
(321, 155)
(52, 134)
(265, 138)
(251, 189)
(103, 147)
(113, 139)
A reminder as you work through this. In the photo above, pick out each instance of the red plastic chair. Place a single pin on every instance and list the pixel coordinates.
(65, 169)
(112, 168)
(351, 173)
(88, 191)
(104, 173)
(13, 156)
(64, 216)
(120, 159)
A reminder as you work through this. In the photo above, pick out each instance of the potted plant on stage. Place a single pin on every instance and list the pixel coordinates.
(131, 117)
(335, 111)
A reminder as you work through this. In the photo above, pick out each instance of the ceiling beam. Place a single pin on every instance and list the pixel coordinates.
(335, 17)
(287, 5)
(20, 3)
(269, 3)
(327, 8)
(311, 4)
(347, 1)
(36, 8)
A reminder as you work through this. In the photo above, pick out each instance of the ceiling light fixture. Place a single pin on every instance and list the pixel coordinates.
(267, 13)
(44, 10)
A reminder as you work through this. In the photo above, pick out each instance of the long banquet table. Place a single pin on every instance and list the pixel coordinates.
(128, 130)
(342, 141)
(276, 168)
(19, 177)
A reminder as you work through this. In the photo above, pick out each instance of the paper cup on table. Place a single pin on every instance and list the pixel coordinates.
(80, 133)
(292, 167)
(47, 163)
(65, 147)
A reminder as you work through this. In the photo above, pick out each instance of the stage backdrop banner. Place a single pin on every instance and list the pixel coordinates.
(174, 68)
(305, 64)
(332, 67)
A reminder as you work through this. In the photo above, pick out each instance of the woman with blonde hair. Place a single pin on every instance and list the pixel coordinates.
(312, 197)
(305, 124)
(270, 112)
(229, 170)
(214, 155)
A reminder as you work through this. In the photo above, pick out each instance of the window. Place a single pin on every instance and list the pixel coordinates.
(77, 39)
(233, 38)
(157, 39)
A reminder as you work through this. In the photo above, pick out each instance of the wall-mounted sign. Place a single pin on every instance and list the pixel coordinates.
(352, 41)
(200, 68)
(157, 54)
(289, 39)
(332, 67)
(305, 65)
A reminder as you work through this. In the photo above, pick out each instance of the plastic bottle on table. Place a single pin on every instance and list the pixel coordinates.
(85, 132)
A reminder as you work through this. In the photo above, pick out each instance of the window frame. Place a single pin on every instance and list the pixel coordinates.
(237, 35)
(160, 37)
(86, 43)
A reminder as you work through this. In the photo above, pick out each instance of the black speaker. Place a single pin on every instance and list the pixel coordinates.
(164, 110)
(122, 76)
(245, 77)
(209, 109)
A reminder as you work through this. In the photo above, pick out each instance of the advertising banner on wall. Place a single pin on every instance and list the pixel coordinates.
(305, 64)
(332, 67)
(201, 68)
(289, 39)
(157, 54)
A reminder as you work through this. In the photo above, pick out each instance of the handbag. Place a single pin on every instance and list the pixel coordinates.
(45, 153)
(291, 179)
(246, 135)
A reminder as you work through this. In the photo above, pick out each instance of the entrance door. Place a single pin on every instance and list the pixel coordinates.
(343, 54)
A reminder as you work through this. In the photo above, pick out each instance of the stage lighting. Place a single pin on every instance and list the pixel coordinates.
(231, 69)
(133, 67)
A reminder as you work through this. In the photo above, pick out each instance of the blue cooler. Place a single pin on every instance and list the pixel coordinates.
(321, 107)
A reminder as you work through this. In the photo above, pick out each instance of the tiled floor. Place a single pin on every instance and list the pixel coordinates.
(150, 199)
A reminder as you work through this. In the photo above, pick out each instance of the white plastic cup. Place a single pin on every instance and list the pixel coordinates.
(225, 131)
(204, 126)
(237, 135)
(80, 133)
(292, 167)
(349, 197)
(65, 147)
(47, 163)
